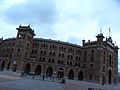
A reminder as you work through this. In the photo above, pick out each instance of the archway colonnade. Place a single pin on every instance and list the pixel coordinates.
(51, 71)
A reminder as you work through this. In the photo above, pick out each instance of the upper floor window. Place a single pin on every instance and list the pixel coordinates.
(91, 76)
(92, 59)
(18, 50)
(92, 51)
(91, 65)
(85, 52)
(110, 59)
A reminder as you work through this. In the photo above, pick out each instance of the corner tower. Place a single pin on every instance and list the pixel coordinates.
(23, 43)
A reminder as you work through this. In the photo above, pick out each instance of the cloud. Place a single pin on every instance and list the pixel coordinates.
(75, 40)
(31, 11)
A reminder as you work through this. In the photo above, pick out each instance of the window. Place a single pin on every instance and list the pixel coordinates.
(25, 53)
(39, 58)
(44, 52)
(103, 68)
(104, 60)
(18, 50)
(92, 51)
(71, 57)
(32, 51)
(91, 65)
(61, 61)
(110, 60)
(43, 59)
(76, 58)
(50, 53)
(84, 64)
(35, 52)
(49, 60)
(11, 50)
(10, 56)
(68, 56)
(75, 64)
(53, 53)
(59, 54)
(58, 61)
(68, 62)
(52, 60)
(91, 76)
(79, 59)
(91, 59)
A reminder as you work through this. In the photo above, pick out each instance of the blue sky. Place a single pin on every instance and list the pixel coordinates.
(65, 20)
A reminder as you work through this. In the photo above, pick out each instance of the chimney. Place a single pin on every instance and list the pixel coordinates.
(83, 42)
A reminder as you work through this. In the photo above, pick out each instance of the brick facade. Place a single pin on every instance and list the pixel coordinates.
(94, 61)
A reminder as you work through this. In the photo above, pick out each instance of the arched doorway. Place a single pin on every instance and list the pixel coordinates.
(103, 79)
(8, 66)
(38, 70)
(71, 74)
(14, 67)
(80, 76)
(49, 71)
(60, 73)
(2, 66)
(27, 68)
(109, 77)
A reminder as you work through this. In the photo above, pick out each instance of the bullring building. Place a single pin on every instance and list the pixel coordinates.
(94, 61)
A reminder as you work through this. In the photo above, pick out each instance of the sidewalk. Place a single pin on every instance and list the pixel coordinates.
(13, 81)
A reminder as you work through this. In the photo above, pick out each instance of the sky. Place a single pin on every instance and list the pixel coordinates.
(65, 20)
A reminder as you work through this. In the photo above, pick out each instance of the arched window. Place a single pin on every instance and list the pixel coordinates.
(44, 52)
(49, 60)
(53, 53)
(71, 57)
(39, 58)
(68, 62)
(75, 64)
(50, 53)
(59, 54)
(68, 56)
(43, 59)
(62, 55)
(61, 61)
(52, 60)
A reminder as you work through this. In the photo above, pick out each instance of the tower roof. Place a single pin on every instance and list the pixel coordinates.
(100, 36)
(21, 28)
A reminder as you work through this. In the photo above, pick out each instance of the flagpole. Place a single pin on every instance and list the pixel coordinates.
(109, 31)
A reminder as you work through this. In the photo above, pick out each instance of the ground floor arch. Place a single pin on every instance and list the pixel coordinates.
(49, 71)
(80, 76)
(60, 73)
(38, 70)
(8, 66)
(110, 76)
(27, 68)
(71, 74)
(2, 66)
(14, 67)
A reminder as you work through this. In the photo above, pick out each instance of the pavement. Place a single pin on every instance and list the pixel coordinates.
(13, 81)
